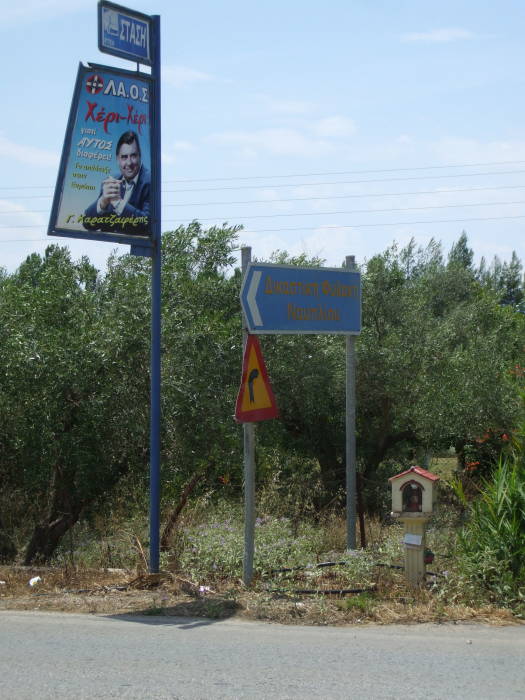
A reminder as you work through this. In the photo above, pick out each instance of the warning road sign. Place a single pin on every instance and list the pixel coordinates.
(255, 401)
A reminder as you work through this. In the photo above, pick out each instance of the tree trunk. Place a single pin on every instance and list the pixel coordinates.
(62, 513)
(332, 477)
(459, 447)
(65, 507)
(47, 535)
(174, 516)
(8, 550)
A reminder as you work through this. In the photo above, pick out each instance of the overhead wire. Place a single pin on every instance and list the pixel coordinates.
(325, 213)
(309, 199)
(350, 172)
(324, 226)
(392, 223)
(316, 174)
(350, 182)
(322, 198)
(359, 211)
(347, 196)
(314, 184)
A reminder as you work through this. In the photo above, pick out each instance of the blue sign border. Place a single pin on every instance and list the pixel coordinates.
(328, 306)
(148, 61)
(112, 237)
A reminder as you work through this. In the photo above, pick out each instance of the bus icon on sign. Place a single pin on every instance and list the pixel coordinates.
(110, 22)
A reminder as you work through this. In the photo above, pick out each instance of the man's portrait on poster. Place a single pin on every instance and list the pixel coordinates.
(123, 205)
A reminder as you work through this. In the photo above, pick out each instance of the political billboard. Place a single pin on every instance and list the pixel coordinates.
(104, 188)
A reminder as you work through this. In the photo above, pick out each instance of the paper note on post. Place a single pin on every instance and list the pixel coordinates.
(413, 539)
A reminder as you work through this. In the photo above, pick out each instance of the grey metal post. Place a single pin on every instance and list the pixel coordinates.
(249, 465)
(350, 432)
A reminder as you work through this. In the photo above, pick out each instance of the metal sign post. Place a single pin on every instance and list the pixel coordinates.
(109, 181)
(279, 299)
(249, 466)
(156, 266)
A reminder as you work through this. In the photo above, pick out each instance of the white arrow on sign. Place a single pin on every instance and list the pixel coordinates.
(250, 298)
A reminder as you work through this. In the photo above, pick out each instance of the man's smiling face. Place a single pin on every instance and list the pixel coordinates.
(129, 160)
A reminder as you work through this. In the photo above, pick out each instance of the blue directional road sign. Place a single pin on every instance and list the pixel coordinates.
(286, 299)
(125, 33)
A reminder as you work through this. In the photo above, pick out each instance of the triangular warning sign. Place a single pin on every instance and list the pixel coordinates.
(255, 400)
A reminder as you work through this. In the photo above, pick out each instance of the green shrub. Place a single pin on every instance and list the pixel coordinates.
(364, 602)
(492, 544)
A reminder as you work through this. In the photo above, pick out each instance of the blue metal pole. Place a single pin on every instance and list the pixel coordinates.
(351, 473)
(155, 314)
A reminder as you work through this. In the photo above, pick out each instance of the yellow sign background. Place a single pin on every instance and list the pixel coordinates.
(261, 394)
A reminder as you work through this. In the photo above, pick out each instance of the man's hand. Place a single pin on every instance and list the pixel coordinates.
(110, 192)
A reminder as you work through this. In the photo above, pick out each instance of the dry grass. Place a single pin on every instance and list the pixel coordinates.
(118, 592)
(205, 584)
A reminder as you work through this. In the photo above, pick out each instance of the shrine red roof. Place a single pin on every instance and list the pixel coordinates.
(417, 470)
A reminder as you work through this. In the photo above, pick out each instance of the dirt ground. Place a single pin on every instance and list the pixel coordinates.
(116, 591)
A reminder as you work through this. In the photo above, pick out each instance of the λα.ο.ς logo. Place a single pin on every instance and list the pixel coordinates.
(94, 84)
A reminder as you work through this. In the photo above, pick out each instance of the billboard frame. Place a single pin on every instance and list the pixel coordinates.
(143, 241)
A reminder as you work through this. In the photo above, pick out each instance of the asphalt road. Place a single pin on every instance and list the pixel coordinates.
(55, 655)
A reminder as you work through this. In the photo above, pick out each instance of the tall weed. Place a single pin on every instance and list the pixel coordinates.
(492, 544)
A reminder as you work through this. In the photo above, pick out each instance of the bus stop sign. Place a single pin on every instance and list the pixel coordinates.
(125, 33)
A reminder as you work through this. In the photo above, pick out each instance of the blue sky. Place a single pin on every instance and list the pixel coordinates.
(328, 128)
